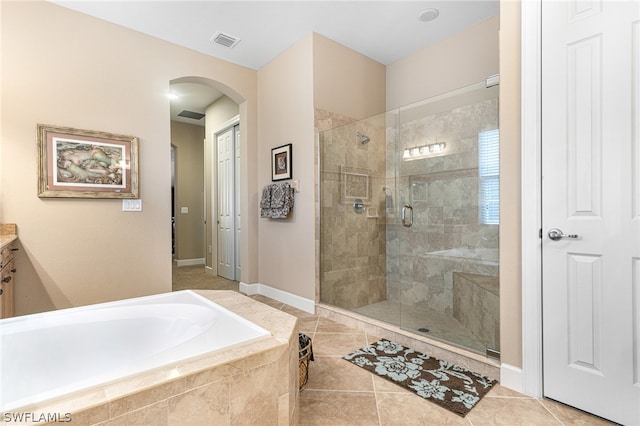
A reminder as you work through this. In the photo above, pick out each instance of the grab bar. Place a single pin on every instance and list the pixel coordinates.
(407, 222)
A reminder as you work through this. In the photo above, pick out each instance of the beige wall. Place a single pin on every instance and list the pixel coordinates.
(434, 70)
(510, 192)
(189, 189)
(285, 101)
(80, 251)
(346, 82)
(217, 114)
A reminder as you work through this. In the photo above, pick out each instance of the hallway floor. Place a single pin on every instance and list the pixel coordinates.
(339, 393)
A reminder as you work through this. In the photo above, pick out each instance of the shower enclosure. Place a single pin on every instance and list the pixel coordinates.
(409, 217)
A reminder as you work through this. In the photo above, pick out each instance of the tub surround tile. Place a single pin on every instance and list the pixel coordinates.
(155, 414)
(284, 411)
(277, 322)
(233, 386)
(204, 405)
(209, 375)
(260, 406)
(136, 400)
(91, 416)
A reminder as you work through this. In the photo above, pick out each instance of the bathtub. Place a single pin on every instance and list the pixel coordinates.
(48, 355)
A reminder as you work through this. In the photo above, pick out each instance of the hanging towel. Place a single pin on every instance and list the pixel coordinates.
(279, 194)
(265, 201)
(276, 201)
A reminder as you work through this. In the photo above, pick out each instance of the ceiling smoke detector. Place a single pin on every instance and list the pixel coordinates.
(428, 15)
(225, 40)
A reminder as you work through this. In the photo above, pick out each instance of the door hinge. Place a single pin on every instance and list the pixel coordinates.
(540, 233)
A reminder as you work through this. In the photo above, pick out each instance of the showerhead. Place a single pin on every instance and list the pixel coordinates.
(364, 139)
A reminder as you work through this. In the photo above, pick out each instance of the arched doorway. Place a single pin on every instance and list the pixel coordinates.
(196, 183)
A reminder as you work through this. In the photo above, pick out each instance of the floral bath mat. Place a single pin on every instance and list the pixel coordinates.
(450, 386)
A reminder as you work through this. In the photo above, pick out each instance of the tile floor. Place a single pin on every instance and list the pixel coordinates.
(340, 393)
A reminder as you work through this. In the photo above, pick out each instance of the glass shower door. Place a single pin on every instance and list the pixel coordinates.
(446, 230)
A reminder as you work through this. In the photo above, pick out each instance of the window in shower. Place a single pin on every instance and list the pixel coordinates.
(489, 173)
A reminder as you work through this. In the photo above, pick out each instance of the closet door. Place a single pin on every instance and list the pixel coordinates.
(226, 204)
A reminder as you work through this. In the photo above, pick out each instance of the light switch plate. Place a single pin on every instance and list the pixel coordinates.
(184, 210)
(129, 205)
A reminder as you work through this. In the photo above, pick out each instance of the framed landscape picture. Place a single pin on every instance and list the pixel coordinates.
(77, 163)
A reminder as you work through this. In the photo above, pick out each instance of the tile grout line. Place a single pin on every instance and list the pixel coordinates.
(549, 411)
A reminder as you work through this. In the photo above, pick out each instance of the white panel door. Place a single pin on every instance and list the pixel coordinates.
(226, 205)
(236, 185)
(591, 192)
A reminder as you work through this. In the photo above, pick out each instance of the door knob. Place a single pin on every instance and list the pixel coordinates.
(556, 234)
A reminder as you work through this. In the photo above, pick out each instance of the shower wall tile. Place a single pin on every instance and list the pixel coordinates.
(476, 306)
(353, 247)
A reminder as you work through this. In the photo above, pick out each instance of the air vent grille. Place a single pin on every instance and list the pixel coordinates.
(225, 40)
(191, 114)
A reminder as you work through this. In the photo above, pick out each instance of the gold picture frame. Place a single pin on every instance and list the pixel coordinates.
(76, 163)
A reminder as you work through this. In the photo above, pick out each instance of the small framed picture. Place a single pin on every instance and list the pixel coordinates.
(76, 163)
(281, 163)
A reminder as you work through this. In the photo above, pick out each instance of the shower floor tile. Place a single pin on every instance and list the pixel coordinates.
(441, 326)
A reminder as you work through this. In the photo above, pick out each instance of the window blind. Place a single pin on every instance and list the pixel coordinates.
(489, 174)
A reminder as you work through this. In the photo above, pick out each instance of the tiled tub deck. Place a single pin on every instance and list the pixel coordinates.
(255, 383)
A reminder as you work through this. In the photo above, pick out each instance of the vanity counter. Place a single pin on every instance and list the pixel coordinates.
(8, 234)
(8, 245)
(5, 240)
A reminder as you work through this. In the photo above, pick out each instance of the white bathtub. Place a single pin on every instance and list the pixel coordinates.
(56, 353)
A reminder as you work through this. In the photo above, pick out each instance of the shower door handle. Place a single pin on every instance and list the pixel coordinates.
(407, 219)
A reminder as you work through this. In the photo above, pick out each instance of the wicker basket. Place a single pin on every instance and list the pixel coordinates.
(305, 355)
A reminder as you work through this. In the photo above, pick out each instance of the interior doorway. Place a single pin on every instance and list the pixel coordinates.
(200, 108)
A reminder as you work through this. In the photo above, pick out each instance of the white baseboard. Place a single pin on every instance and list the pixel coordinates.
(189, 262)
(511, 377)
(290, 299)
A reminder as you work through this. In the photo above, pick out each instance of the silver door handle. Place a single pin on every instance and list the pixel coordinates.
(407, 221)
(556, 234)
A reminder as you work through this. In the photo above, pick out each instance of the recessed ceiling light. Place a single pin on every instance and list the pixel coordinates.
(428, 15)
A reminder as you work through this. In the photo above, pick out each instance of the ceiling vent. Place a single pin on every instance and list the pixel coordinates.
(191, 114)
(225, 40)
